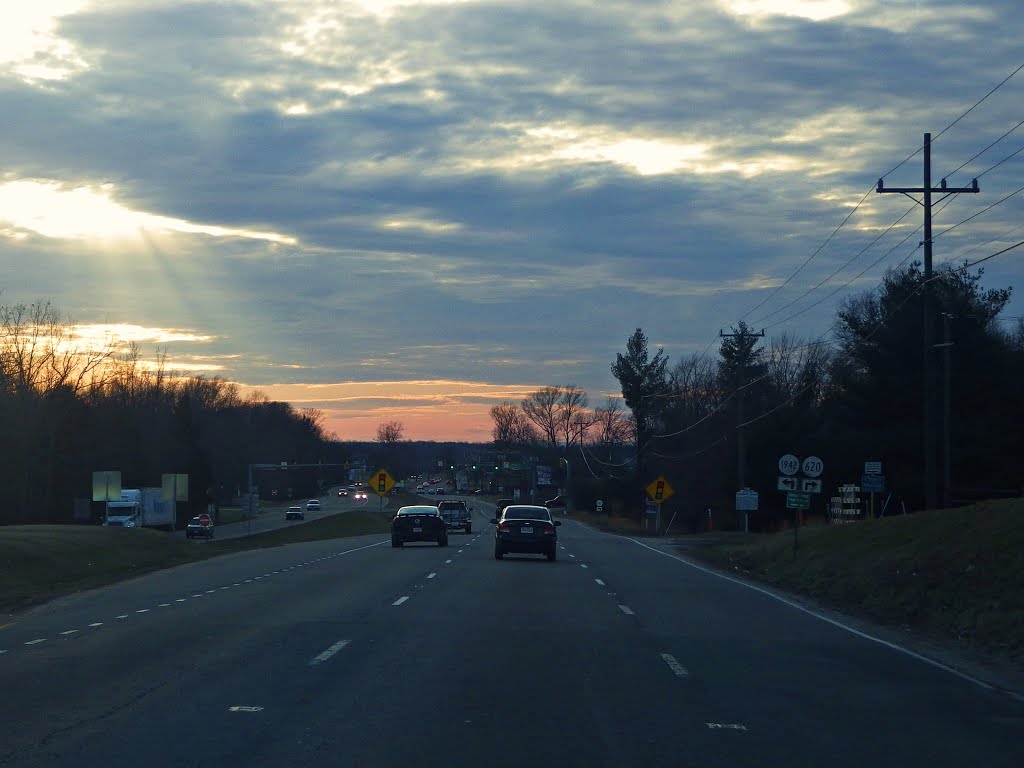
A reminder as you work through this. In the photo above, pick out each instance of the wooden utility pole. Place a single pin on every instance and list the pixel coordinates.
(928, 312)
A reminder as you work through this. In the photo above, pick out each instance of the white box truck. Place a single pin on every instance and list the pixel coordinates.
(141, 508)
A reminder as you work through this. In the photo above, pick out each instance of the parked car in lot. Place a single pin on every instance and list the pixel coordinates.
(313, 505)
(418, 523)
(199, 527)
(528, 529)
(456, 514)
(294, 513)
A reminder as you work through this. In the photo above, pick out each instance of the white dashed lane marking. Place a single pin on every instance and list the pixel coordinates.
(584, 565)
(328, 653)
(36, 642)
(599, 582)
(677, 669)
(400, 600)
(626, 609)
(96, 624)
(431, 575)
(69, 632)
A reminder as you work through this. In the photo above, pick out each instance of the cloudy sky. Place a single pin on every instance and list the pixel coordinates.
(415, 209)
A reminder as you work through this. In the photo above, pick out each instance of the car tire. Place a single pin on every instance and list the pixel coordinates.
(498, 554)
(469, 529)
(442, 540)
(552, 555)
(396, 542)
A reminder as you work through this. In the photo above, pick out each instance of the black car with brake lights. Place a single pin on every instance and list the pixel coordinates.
(418, 523)
(527, 529)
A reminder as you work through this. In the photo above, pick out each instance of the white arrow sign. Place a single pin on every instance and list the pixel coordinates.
(810, 486)
(788, 483)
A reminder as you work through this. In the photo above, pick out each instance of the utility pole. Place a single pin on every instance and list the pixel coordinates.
(744, 359)
(947, 373)
(928, 312)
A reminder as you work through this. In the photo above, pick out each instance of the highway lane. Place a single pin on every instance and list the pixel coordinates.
(444, 656)
(271, 517)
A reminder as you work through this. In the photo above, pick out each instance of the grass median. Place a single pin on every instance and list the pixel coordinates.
(41, 562)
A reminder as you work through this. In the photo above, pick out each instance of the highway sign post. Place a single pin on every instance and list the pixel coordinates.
(746, 502)
(659, 492)
(873, 481)
(799, 481)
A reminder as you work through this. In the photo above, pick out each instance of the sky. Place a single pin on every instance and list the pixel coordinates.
(415, 210)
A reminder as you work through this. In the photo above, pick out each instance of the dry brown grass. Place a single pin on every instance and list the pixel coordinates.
(955, 575)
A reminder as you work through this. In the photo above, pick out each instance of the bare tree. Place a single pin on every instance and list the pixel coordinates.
(573, 417)
(511, 426)
(390, 432)
(542, 408)
(611, 426)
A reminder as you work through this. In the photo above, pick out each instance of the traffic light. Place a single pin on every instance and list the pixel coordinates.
(659, 490)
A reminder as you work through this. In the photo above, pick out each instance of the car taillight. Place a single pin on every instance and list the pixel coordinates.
(549, 530)
(504, 528)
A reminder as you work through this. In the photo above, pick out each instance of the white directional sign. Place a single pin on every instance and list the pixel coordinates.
(813, 466)
(789, 464)
(810, 486)
(788, 483)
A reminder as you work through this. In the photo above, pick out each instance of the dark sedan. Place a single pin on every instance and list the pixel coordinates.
(418, 523)
(528, 529)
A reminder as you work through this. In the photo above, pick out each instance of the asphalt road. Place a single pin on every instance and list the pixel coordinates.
(271, 516)
(351, 653)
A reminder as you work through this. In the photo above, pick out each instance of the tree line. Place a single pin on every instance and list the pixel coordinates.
(713, 423)
(69, 408)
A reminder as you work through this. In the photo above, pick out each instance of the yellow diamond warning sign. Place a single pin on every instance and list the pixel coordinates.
(382, 482)
(659, 490)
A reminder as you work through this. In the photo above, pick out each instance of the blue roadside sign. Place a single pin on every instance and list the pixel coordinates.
(872, 483)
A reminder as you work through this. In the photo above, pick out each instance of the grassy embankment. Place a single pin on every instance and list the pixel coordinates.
(41, 562)
(954, 576)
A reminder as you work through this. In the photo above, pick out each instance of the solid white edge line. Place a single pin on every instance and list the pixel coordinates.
(677, 669)
(400, 600)
(329, 652)
(833, 622)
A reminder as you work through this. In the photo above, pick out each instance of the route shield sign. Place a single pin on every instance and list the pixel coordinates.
(382, 482)
(813, 466)
(659, 490)
(789, 464)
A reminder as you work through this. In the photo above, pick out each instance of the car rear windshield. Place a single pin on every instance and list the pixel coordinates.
(526, 513)
(418, 511)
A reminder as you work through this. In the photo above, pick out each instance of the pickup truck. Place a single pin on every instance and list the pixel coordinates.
(456, 514)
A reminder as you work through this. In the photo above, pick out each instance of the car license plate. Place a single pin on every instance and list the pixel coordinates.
(526, 529)
(417, 530)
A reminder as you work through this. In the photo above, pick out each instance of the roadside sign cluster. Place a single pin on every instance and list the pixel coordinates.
(798, 489)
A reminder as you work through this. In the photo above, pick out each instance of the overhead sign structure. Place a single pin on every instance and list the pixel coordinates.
(809, 485)
(788, 483)
(382, 482)
(659, 490)
(789, 464)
